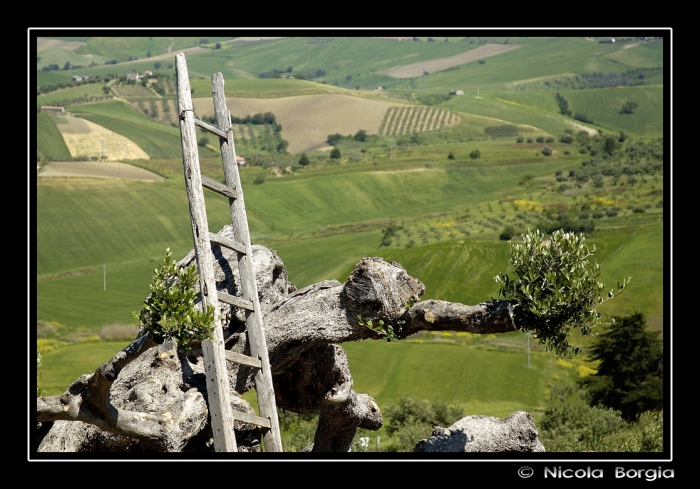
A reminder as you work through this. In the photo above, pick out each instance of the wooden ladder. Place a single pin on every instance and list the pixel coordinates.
(215, 354)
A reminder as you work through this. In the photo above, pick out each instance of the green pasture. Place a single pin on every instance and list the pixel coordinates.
(59, 97)
(50, 143)
(87, 222)
(604, 106)
(121, 48)
(540, 60)
(286, 205)
(311, 260)
(62, 366)
(455, 271)
(96, 297)
(636, 252)
(482, 379)
(491, 105)
(61, 56)
(342, 56)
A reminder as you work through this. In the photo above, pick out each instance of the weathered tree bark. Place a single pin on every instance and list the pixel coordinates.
(514, 433)
(153, 397)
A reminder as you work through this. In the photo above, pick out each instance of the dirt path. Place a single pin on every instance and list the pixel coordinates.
(431, 66)
(105, 169)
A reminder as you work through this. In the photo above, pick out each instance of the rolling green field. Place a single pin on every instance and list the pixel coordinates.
(60, 97)
(420, 199)
(50, 143)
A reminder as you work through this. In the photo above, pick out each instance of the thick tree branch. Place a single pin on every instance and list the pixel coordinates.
(157, 396)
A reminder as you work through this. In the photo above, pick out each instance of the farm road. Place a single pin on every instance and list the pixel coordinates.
(431, 66)
(106, 169)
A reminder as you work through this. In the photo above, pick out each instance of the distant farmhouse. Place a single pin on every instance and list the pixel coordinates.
(52, 109)
(379, 88)
(80, 78)
(133, 76)
(456, 92)
(610, 40)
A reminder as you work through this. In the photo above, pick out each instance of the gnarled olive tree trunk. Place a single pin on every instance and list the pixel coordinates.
(152, 397)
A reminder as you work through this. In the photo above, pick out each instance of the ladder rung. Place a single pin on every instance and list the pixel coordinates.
(228, 243)
(210, 128)
(251, 418)
(235, 301)
(219, 188)
(243, 359)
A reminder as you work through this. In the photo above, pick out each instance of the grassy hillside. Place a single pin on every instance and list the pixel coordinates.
(604, 107)
(50, 143)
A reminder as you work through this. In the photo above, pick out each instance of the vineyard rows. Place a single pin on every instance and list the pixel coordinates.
(409, 120)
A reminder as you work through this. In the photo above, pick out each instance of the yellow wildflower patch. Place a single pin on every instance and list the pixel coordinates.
(449, 224)
(528, 205)
(604, 201)
(584, 371)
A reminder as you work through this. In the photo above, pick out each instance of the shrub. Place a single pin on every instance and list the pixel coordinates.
(530, 140)
(583, 118)
(629, 107)
(335, 153)
(451, 156)
(540, 139)
(411, 420)
(169, 311)
(259, 180)
(507, 233)
(360, 135)
(475, 154)
(547, 151)
(304, 160)
(549, 139)
(566, 138)
(333, 139)
(520, 139)
(555, 287)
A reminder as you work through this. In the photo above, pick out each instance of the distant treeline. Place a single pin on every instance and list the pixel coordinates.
(259, 118)
(299, 76)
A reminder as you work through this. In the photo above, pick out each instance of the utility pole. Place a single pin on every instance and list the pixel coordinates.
(103, 150)
(528, 349)
(104, 277)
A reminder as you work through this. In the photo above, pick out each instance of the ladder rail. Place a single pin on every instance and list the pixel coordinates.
(256, 336)
(213, 350)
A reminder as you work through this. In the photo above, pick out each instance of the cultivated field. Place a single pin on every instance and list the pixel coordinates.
(85, 138)
(416, 69)
(307, 120)
(43, 44)
(409, 120)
